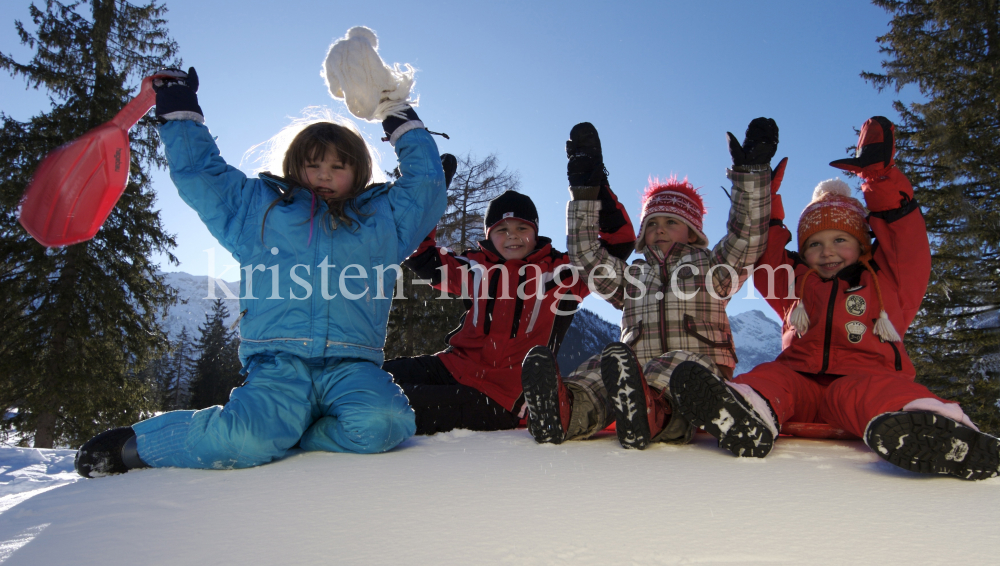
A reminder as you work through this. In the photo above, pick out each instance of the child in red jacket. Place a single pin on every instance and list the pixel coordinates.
(843, 360)
(520, 292)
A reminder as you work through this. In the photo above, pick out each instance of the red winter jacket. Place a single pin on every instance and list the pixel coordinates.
(486, 351)
(843, 310)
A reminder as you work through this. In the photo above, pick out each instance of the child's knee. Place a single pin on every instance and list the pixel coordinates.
(379, 429)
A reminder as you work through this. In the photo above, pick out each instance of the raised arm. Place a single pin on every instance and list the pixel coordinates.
(902, 249)
(220, 194)
(419, 197)
(750, 210)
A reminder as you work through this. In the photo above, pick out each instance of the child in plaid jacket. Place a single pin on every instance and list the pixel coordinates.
(673, 301)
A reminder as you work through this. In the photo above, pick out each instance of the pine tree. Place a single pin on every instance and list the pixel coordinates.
(949, 147)
(217, 369)
(79, 322)
(181, 373)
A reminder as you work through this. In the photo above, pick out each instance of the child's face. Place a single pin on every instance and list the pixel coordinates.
(514, 239)
(330, 178)
(829, 251)
(663, 231)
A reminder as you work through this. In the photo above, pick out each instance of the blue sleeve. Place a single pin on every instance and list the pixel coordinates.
(419, 197)
(220, 194)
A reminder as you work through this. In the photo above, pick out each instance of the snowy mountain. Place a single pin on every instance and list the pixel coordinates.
(193, 292)
(587, 336)
(757, 339)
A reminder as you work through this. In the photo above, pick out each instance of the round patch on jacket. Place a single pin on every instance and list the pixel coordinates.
(855, 330)
(855, 305)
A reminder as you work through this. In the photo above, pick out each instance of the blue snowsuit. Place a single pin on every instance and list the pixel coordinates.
(316, 304)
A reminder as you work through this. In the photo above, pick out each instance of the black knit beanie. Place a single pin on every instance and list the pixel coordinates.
(511, 204)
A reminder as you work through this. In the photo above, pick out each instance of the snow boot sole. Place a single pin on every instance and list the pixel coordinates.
(929, 443)
(707, 402)
(540, 381)
(623, 381)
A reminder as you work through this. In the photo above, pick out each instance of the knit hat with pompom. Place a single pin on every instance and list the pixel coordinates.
(675, 199)
(833, 208)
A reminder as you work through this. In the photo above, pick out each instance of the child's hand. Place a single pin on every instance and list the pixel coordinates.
(176, 97)
(759, 145)
(876, 148)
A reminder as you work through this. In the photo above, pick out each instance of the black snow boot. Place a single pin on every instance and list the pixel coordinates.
(586, 162)
(111, 452)
(707, 402)
(926, 442)
(549, 401)
(627, 388)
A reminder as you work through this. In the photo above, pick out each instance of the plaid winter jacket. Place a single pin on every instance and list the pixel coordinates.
(667, 299)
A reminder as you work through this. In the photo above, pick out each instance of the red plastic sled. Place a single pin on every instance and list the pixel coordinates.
(816, 430)
(77, 185)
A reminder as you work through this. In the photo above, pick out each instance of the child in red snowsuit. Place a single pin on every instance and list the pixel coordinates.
(520, 292)
(843, 360)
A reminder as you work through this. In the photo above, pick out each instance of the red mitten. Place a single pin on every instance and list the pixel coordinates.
(876, 148)
(886, 189)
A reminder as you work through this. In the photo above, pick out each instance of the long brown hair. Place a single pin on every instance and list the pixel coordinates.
(311, 145)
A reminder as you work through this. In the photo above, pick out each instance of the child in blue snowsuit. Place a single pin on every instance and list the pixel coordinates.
(315, 293)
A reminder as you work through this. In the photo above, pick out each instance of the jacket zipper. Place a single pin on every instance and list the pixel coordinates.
(829, 327)
(663, 308)
(895, 350)
(518, 306)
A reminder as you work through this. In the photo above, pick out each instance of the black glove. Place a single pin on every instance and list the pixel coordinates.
(876, 147)
(450, 165)
(759, 146)
(176, 97)
(390, 124)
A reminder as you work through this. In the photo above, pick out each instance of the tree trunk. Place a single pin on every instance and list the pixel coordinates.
(45, 430)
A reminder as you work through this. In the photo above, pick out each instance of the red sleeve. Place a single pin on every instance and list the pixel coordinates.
(773, 270)
(427, 261)
(615, 231)
(901, 250)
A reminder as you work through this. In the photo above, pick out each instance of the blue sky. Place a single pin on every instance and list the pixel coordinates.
(662, 82)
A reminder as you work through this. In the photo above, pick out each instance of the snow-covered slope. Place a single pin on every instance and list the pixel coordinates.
(498, 498)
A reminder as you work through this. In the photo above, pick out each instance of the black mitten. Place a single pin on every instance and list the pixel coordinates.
(176, 95)
(586, 161)
(450, 165)
(759, 145)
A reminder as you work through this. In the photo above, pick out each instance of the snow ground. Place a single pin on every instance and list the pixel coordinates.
(494, 498)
